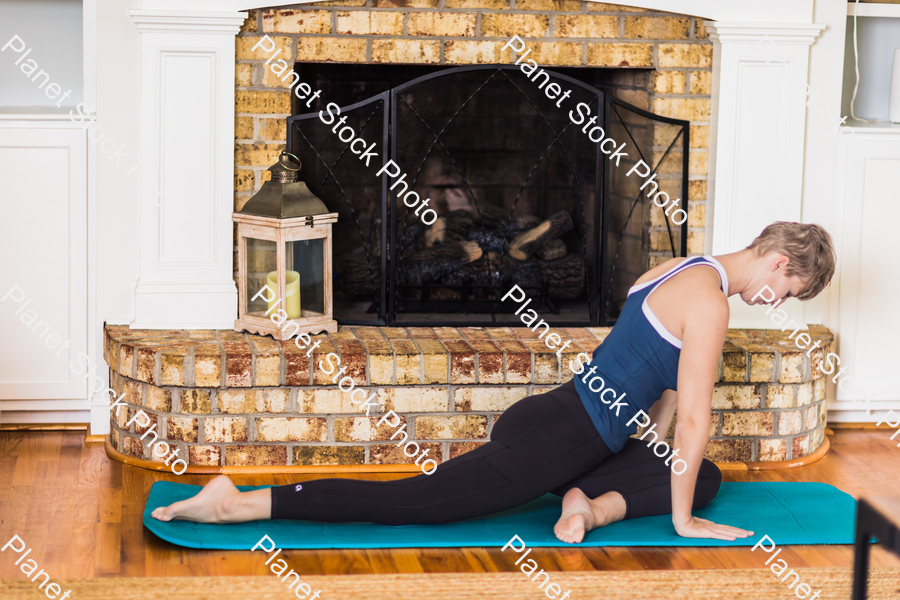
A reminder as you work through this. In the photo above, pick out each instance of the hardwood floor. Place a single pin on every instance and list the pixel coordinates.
(80, 512)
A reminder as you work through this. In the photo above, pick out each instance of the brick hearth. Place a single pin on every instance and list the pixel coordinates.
(227, 398)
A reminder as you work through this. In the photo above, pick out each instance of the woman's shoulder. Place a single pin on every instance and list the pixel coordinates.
(660, 270)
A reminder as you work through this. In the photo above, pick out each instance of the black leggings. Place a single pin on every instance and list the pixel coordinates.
(543, 443)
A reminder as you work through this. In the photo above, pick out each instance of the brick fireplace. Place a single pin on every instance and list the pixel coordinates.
(232, 400)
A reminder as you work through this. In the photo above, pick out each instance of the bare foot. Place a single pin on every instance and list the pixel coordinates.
(577, 517)
(214, 504)
(580, 514)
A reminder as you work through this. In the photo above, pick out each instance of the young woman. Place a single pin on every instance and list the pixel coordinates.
(570, 441)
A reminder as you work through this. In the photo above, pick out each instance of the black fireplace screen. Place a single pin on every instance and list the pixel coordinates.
(524, 197)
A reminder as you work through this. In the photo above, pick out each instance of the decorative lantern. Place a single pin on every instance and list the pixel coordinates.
(284, 257)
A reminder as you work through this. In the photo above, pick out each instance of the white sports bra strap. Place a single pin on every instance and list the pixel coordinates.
(685, 264)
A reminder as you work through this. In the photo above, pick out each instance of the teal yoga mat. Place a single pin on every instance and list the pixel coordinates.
(789, 513)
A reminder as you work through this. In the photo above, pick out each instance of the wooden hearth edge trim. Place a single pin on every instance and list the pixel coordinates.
(820, 452)
(255, 470)
(258, 469)
(845, 425)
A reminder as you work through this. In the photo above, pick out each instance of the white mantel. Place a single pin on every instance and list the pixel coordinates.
(757, 135)
(186, 169)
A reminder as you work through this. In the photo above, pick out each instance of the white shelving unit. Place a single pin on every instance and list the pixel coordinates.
(869, 161)
(868, 9)
(48, 165)
(867, 209)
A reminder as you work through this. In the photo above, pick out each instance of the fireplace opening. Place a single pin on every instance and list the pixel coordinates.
(523, 195)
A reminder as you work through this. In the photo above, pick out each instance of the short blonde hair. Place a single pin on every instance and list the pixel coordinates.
(808, 246)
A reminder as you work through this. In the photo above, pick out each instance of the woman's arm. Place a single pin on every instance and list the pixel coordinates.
(705, 325)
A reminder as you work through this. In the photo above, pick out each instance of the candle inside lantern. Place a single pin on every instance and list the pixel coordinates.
(291, 291)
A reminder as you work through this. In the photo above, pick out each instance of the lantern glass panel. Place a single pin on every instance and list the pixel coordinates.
(260, 269)
(307, 258)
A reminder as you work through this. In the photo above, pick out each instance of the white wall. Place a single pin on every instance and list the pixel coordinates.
(118, 102)
(821, 163)
(52, 29)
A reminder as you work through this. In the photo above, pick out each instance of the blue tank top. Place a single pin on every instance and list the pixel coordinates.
(638, 360)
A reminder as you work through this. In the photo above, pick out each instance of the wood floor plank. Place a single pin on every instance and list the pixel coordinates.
(81, 512)
(11, 445)
(108, 550)
(407, 560)
(729, 558)
(26, 462)
(370, 560)
(610, 559)
(437, 560)
(479, 560)
(328, 561)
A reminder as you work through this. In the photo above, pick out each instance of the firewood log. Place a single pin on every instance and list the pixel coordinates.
(427, 266)
(525, 274)
(490, 216)
(552, 250)
(527, 243)
(564, 277)
(477, 273)
(489, 240)
(450, 227)
(408, 235)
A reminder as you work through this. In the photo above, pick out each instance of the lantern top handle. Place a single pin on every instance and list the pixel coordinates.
(284, 154)
(283, 171)
(284, 196)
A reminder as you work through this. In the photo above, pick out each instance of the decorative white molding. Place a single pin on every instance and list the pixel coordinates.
(89, 52)
(878, 412)
(44, 405)
(757, 130)
(890, 11)
(778, 33)
(100, 404)
(176, 21)
(187, 95)
(175, 305)
(32, 416)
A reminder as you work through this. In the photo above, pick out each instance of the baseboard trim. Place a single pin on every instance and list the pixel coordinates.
(858, 426)
(44, 427)
(92, 438)
(257, 469)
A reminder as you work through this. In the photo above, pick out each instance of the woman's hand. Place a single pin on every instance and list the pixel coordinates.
(701, 528)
